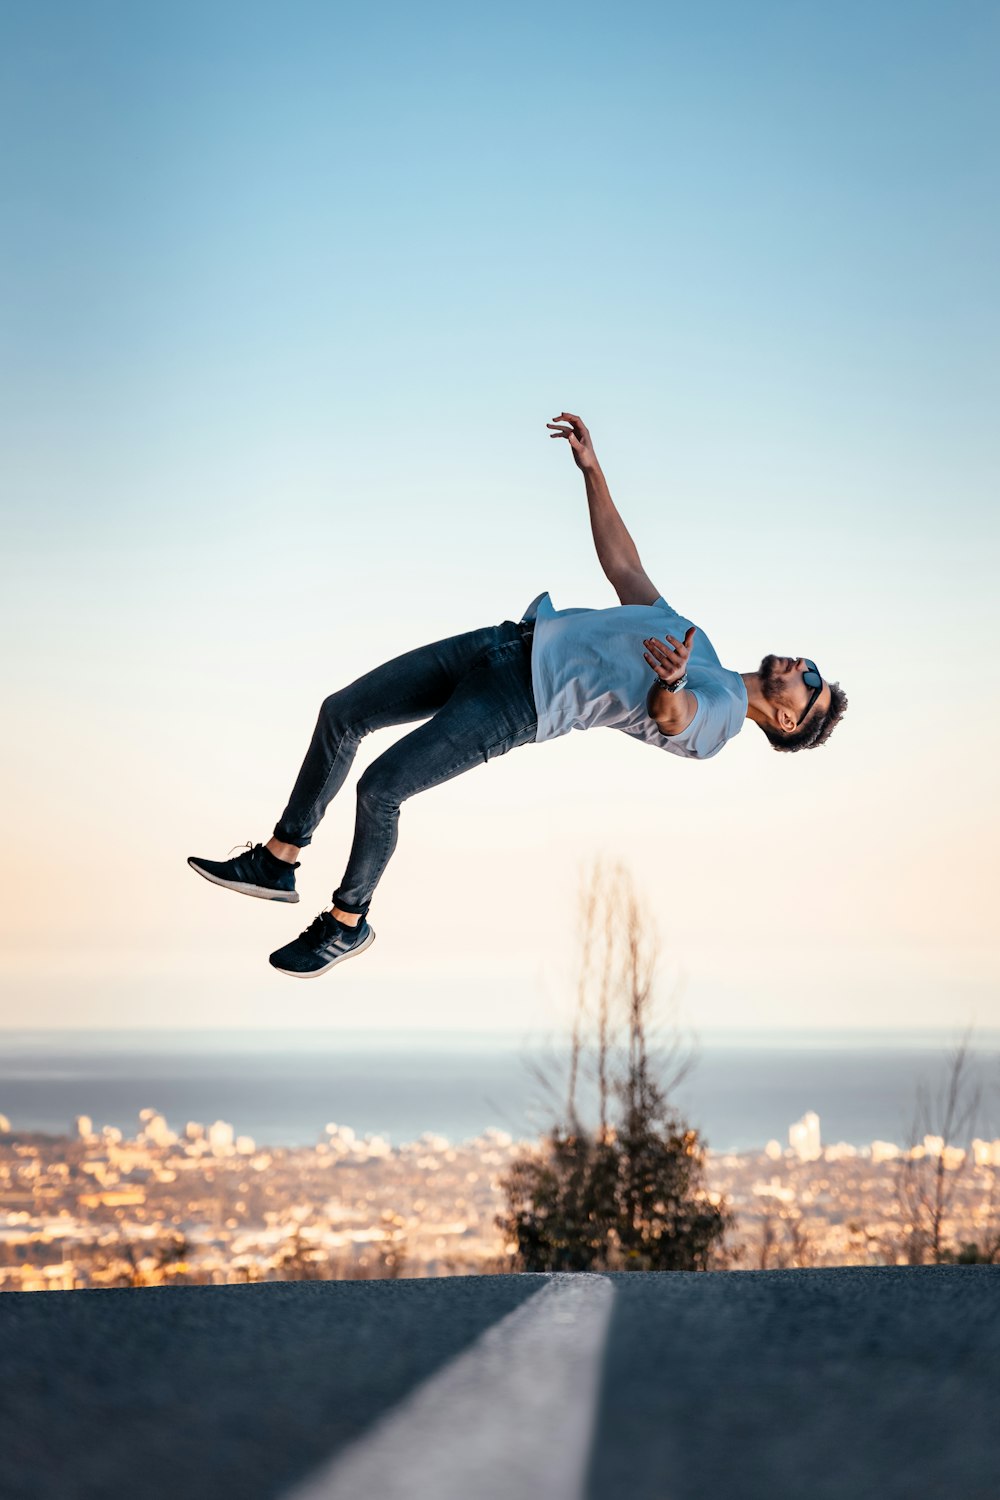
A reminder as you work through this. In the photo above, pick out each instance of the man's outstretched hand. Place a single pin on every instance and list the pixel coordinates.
(669, 659)
(570, 427)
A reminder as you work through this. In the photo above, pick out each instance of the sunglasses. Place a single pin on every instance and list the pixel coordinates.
(812, 679)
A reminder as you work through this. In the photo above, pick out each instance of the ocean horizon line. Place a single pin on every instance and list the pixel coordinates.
(295, 1038)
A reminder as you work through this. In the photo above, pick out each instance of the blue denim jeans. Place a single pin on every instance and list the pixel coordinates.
(474, 690)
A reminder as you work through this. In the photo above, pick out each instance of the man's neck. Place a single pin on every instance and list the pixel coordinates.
(758, 708)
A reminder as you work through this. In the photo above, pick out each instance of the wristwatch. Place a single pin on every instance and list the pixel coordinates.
(673, 687)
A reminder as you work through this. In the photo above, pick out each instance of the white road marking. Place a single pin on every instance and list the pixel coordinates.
(512, 1415)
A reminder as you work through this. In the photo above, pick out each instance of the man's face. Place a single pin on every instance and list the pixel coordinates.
(782, 682)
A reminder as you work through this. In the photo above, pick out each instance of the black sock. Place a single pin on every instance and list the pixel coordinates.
(274, 864)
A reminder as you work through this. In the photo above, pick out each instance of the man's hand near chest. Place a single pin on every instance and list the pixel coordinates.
(670, 711)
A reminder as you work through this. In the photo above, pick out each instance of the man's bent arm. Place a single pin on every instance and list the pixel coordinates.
(671, 712)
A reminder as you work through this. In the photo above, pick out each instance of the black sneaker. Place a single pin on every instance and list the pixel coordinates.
(324, 943)
(255, 872)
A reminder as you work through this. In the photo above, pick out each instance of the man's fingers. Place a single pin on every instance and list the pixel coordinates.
(568, 416)
(662, 651)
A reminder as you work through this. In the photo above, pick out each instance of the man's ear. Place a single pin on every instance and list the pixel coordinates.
(785, 720)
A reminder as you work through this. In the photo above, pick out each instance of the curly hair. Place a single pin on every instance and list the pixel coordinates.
(816, 731)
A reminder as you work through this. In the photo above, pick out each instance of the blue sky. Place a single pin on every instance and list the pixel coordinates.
(290, 294)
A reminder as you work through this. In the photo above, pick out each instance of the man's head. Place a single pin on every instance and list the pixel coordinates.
(799, 708)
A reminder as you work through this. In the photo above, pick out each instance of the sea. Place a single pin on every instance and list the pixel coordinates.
(283, 1088)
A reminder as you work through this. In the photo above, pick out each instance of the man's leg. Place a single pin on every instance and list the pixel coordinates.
(491, 710)
(411, 686)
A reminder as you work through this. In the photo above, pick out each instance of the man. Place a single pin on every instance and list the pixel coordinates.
(490, 690)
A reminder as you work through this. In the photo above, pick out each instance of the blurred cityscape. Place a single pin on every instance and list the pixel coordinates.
(95, 1208)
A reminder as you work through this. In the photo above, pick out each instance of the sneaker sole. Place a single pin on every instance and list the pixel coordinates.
(315, 973)
(246, 890)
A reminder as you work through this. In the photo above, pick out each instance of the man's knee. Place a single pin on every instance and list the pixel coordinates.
(336, 713)
(376, 787)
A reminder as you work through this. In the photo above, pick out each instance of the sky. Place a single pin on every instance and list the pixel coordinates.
(289, 294)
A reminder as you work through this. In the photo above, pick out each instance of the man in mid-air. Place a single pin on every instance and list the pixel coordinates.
(518, 683)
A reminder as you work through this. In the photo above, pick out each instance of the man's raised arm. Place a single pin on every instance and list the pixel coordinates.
(616, 550)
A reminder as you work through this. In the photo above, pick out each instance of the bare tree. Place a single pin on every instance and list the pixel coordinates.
(123, 1262)
(302, 1260)
(378, 1260)
(784, 1241)
(927, 1179)
(624, 1190)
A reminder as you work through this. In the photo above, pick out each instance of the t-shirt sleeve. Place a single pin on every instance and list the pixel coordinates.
(707, 732)
(702, 650)
(673, 623)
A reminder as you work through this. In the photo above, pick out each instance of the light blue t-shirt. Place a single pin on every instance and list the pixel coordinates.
(588, 671)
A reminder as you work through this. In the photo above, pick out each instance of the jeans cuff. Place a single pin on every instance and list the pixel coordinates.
(349, 907)
(300, 840)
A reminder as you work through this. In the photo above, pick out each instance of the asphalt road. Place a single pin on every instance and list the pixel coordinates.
(849, 1383)
(781, 1385)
